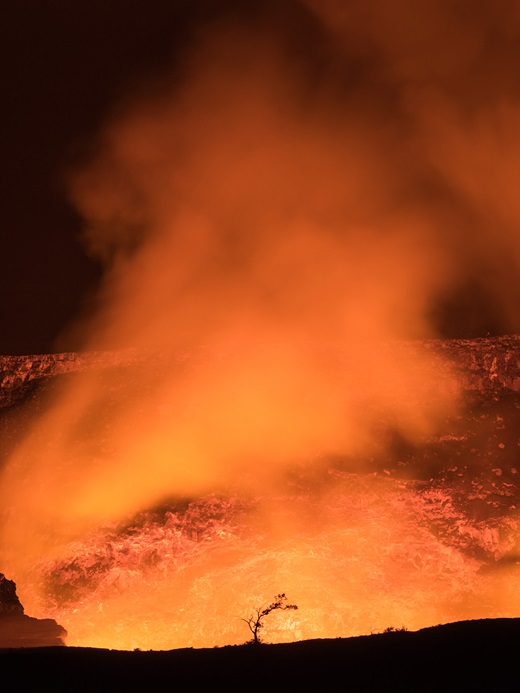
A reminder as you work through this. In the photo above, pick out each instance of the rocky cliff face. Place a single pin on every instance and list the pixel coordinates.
(19, 630)
(489, 366)
(9, 603)
(20, 375)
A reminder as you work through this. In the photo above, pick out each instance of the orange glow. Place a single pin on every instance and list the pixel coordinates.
(273, 243)
(358, 554)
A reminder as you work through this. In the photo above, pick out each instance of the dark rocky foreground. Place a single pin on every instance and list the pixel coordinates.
(477, 655)
(19, 630)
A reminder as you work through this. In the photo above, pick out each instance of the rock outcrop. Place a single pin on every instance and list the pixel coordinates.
(489, 365)
(19, 630)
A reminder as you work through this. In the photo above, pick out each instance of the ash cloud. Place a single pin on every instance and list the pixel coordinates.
(298, 189)
(365, 127)
(452, 69)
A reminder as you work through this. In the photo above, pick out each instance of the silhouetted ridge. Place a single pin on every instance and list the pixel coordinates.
(19, 630)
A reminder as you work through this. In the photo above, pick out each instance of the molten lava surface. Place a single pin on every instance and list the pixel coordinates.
(358, 554)
(412, 534)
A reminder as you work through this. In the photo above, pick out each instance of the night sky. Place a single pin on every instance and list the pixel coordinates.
(66, 67)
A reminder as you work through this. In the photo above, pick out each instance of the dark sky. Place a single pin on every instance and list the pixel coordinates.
(66, 65)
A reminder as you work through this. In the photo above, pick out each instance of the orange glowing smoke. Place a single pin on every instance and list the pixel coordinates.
(272, 234)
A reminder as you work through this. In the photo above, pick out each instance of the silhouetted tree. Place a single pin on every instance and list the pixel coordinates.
(255, 621)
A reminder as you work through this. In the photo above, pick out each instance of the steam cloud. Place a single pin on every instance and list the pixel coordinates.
(296, 198)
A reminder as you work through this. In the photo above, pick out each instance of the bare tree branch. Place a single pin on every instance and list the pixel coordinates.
(255, 622)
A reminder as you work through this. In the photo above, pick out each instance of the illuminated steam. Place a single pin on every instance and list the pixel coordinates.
(452, 69)
(274, 225)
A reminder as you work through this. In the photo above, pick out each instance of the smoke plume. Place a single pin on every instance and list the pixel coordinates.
(276, 221)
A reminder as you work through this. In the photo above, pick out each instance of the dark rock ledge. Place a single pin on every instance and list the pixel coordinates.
(19, 630)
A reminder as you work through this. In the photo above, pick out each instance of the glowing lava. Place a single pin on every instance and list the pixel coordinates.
(362, 554)
(277, 226)
(410, 533)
